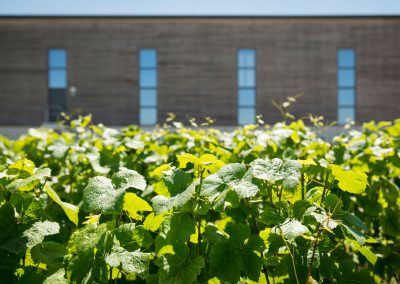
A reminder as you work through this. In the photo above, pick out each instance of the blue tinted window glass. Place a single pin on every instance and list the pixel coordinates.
(247, 78)
(57, 58)
(148, 86)
(346, 78)
(346, 114)
(246, 116)
(148, 97)
(247, 58)
(148, 58)
(247, 97)
(346, 97)
(57, 78)
(346, 58)
(148, 116)
(148, 78)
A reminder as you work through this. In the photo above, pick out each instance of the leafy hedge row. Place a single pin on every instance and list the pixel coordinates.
(176, 205)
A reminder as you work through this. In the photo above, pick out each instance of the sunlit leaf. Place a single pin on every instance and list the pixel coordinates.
(351, 181)
(70, 210)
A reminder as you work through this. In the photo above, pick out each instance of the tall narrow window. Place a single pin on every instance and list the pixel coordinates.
(57, 82)
(346, 96)
(246, 86)
(148, 86)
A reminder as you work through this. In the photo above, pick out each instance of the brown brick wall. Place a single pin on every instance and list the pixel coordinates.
(197, 60)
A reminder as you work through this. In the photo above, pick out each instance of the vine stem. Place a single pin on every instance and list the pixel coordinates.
(279, 198)
(23, 259)
(325, 188)
(117, 219)
(317, 182)
(252, 217)
(302, 185)
(313, 253)
(319, 231)
(292, 257)
(280, 193)
(110, 276)
(257, 231)
(198, 218)
(270, 188)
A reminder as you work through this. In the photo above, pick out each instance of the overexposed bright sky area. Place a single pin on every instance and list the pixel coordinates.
(201, 7)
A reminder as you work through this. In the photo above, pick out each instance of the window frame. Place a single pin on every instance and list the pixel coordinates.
(143, 88)
(51, 90)
(240, 88)
(353, 88)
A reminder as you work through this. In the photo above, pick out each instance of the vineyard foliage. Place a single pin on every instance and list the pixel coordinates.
(261, 204)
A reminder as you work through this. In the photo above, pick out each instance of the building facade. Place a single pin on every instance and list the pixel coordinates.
(136, 70)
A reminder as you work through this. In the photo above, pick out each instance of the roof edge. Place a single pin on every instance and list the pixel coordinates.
(199, 16)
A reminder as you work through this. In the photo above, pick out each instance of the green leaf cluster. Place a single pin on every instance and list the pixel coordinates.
(261, 204)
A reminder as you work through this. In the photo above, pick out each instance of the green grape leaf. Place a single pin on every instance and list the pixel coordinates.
(238, 233)
(178, 227)
(163, 204)
(290, 229)
(332, 203)
(321, 217)
(252, 263)
(350, 181)
(208, 162)
(153, 222)
(27, 184)
(178, 270)
(274, 170)
(130, 262)
(126, 178)
(124, 234)
(352, 219)
(177, 182)
(70, 210)
(230, 257)
(186, 158)
(48, 252)
(88, 247)
(244, 188)
(352, 233)
(132, 237)
(212, 234)
(57, 277)
(58, 149)
(231, 176)
(35, 234)
(365, 251)
(142, 237)
(176, 231)
(23, 165)
(226, 262)
(100, 196)
(133, 204)
(369, 255)
(160, 170)
(86, 238)
(15, 245)
(134, 144)
(8, 222)
(299, 208)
